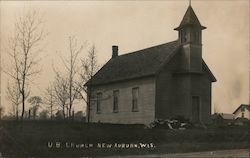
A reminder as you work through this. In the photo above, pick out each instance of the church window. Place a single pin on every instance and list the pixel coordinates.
(98, 103)
(115, 100)
(135, 95)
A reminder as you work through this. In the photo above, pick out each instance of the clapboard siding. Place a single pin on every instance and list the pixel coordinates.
(146, 102)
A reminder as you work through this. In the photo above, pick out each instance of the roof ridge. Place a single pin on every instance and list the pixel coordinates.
(133, 65)
(140, 50)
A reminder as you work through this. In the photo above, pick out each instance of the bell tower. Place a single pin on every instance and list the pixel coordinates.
(190, 37)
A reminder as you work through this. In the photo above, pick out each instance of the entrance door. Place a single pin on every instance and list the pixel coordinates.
(196, 109)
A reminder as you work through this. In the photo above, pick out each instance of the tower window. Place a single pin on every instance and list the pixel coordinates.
(183, 36)
(197, 37)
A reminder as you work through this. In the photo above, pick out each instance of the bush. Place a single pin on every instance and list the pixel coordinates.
(173, 123)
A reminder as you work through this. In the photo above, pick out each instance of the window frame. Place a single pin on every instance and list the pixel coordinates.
(116, 101)
(197, 36)
(183, 36)
(135, 98)
(98, 102)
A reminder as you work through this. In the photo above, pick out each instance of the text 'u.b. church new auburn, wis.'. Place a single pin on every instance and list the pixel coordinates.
(159, 82)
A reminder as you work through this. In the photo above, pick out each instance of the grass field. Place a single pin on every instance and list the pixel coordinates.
(41, 139)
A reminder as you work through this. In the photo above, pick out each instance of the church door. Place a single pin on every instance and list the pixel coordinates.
(196, 109)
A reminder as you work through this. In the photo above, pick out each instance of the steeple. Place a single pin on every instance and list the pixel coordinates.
(190, 37)
(190, 19)
(190, 27)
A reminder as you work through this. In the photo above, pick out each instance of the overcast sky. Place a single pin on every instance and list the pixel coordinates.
(134, 25)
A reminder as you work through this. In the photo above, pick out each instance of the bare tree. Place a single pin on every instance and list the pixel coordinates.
(72, 67)
(59, 115)
(50, 99)
(72, 70)
(89, 68)
(61, 92)
(14, 96)
(43, 115)
(24, 47)
(78, 72)
(35, 101)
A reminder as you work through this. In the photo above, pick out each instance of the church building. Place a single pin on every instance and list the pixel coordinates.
(158, 82)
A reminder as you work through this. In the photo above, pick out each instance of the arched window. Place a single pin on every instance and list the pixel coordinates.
(185, 36)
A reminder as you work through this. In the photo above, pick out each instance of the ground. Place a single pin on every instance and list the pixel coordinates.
(233, 153)
(52, 139)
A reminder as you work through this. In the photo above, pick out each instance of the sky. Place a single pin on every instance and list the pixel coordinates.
(135, 25)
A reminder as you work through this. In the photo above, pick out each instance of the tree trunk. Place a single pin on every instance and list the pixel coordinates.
(70, 99)
(51, 112)
(17, 113)
(69, 112)
(73, 115)
(63, 113)
(23, 105)
(29, 114)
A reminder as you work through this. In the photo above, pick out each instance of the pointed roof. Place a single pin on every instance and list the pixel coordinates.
(190, 18)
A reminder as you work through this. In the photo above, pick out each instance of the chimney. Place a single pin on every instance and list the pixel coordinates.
(114, 51)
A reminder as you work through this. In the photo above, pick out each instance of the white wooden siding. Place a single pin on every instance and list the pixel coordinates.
(146, 103)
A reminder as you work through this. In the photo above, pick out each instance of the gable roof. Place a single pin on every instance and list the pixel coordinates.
(213, 79)
(242, 106)
(141, 63)
(138, 64)
(190, 18)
